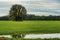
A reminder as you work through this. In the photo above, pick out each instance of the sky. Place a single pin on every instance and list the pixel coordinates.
(36, 7)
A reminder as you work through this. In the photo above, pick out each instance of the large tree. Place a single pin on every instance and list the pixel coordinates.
(17, 12)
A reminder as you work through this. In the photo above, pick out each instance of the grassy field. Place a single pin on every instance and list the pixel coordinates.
(30, 27)
(37, 39)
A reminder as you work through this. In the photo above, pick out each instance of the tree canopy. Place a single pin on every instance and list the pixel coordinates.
(17, 12)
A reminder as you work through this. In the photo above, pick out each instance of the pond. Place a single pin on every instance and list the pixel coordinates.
(42, 36)
(34, 36)
(6, 36)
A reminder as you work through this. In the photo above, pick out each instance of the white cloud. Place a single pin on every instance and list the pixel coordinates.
(50, 5)
(3, 14)
(8, 0)
(43, 13)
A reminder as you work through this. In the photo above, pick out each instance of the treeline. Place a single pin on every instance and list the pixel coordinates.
(33, 17)
(50, 17)
(4, 18)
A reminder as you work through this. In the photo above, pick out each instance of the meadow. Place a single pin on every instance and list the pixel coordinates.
(35, 39)
(29, 27)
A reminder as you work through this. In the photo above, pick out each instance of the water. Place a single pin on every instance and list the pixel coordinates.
(6, 36)
(34, 36)
(42, 36)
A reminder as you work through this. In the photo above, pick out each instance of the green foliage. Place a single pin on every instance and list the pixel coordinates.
(34, 17)
(17, 12)
(35, 39)
(30, 27)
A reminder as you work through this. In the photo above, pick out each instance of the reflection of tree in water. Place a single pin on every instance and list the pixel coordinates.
(18, 35)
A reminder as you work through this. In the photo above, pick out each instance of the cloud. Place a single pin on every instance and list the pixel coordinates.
(36, 6)
(43, 13)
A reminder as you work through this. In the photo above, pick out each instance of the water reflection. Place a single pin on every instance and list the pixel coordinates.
(6, 36)
(42, 36)
(34, 36)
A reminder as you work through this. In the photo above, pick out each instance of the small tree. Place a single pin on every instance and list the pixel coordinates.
(17, 12)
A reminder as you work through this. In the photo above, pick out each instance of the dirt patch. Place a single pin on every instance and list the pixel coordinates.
(2, 38)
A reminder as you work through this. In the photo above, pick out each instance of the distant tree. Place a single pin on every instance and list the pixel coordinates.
(17, 12)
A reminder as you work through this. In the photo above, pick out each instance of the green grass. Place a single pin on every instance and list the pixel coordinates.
(27, 39)
(34, 39)
(30, 26)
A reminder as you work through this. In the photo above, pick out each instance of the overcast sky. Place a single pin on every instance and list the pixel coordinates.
(37, 7)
